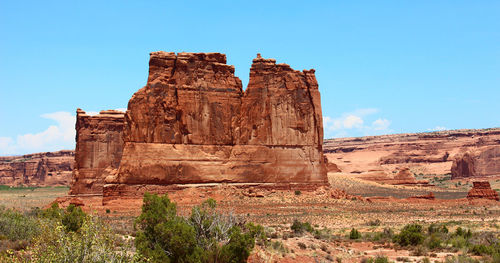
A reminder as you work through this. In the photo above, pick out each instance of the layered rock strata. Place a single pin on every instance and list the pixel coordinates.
(99, 146)
(482, 189)
(38, 169)
(422, 153)
(193, 124)
(483, 161)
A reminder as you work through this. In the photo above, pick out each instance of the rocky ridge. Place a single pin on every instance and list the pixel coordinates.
(37, 169)
(422, 153)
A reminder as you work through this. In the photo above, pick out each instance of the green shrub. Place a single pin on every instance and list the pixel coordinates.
(298, 192)
(464, 233)
(354, 234)
(458, 242)
(434, 241)
(92, 243)
(15, 226)
(435, 228)
(378, 259)
(299, 227)
(73, 218)
(206, 236)
(410, 235)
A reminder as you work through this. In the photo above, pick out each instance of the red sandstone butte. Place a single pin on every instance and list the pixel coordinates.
(99, 146)
(37, 169)
(193, 124)
(482, 189)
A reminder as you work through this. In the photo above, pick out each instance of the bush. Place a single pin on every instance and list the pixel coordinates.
(410, 235)
(73, 218)
(435, 228)
(206, 236)
(92, 243)
(434, 241)
(299, 227)
(354, 234)
(298, 192)
(15, 226)
(378, 259)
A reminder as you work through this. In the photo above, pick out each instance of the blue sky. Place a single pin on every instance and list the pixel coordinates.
(382, 66)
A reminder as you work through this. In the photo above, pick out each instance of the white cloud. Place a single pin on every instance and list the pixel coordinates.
(353, 124)
(121, 109)
(438, 128)
(55, 137)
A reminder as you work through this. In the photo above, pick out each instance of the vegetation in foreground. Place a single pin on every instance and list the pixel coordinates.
(70, 235)
(207, 235)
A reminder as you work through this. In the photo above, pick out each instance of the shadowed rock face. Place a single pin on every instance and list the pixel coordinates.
(38, 169)
(99, 146)
(193, 124)
(477, 162)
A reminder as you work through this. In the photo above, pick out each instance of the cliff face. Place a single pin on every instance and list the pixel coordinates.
(192, 123)
(477, 162)
(475, 153)
(99, 146)
(38, 169)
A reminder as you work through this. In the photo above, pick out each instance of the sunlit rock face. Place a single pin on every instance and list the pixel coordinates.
(99, 146)
(193, 124)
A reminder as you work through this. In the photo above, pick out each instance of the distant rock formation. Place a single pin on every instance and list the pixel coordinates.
(37, 169)
(193, 124)
(99, 146)
(423, 153)
(479, 162)
(482, 189)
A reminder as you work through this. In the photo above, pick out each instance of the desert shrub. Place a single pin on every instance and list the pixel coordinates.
(302, 245)
(16, 226)
(482, 249)
(458, 242)
(378, 259)
(92, 243)
(410, 235)
(73, 218)
(375, 222)
(206, 236)
(278, 246)
(53, 212)
(298, 192)
(434, 241)
(324, 234)
(463, 233)
(460, 259)
(436, 228)
(354, 234)
(299, 227)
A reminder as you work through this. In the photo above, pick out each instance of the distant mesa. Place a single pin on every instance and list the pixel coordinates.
(459, 153)
(37, 169)
(193, 124)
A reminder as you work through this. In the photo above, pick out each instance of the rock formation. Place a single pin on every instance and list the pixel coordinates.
(193, 124)
(482, 189)
(99, 146)
(480, 162)
(422, 153)
(38, 169)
